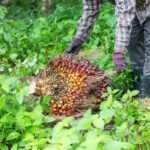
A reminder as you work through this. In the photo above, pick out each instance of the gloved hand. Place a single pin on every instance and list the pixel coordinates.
(119, 61)
(74, 47)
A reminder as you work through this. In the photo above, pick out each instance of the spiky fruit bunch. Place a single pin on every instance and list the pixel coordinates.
(73, 84)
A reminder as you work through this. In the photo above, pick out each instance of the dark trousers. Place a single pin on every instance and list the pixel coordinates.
(139, 45)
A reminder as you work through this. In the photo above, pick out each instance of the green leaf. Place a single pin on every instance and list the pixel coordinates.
(115, 91)
(125, 97)
(111, 21)
(2, 103)
(28, 137)
(46, 99)
(134, 93)
(11, 80)
(110, 98)
(107, 113)
(13, 56)
(109, 90)
(105, 105)
(6, 87)
(88, 113)
(38, 109)
(99, 123)
(104, 95)
(66, 122)
(49, 119)
(3, 12)
(2, 79)
(14, 147)
(122, 130)
(12, 136)
(42, 141)
(117, 145)
(19, 97)
(3, 147)
(84, 123)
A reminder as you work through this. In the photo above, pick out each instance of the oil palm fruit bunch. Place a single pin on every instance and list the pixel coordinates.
(73, 84)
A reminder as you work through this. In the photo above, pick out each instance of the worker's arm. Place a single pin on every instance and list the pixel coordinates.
(125, 13)
(85, 25)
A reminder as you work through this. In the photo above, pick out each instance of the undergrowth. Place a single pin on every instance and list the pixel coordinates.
(28, 39)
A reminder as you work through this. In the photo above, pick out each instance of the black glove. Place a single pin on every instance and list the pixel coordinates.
(74, 47)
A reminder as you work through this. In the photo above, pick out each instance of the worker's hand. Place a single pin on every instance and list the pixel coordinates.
(74, 47)
(119, 61)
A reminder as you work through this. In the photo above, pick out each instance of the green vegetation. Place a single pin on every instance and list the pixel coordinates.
(28, 39)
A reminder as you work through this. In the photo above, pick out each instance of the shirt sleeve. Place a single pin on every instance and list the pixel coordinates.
(86, 23)
(125, 13)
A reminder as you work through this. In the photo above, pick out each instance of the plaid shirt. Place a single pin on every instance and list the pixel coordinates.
(125, 12)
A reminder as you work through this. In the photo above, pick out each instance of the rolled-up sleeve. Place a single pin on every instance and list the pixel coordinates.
(91, 10)
(125, 13)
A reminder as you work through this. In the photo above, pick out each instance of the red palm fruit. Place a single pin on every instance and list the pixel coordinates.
(60, 111)
(68, 112)
(61, 102)
(63, 107)
(67, 78)
(84, 97)
(52, 101)
(59, 106)
(70, 98)
(53, 109)
(64, 112)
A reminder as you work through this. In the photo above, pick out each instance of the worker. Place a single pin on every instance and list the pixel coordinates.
(132, 33)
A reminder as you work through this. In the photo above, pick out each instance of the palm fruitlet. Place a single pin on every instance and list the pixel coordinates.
(73, 84)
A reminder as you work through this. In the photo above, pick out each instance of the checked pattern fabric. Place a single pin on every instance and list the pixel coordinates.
(126, 10)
